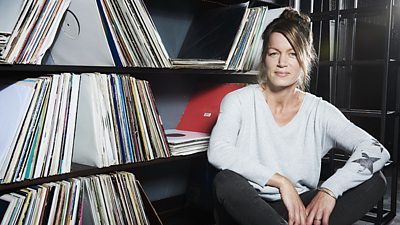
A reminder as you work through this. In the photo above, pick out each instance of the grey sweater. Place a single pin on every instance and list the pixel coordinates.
(246, 139)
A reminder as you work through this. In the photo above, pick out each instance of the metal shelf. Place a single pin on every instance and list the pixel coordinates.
(21, 71)
(82, 171)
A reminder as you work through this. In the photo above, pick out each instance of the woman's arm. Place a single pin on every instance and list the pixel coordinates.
(222, 152)
(367, 154)
(367, 157)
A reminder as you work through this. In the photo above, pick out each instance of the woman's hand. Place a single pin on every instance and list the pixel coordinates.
(291, 199)
(320, 208)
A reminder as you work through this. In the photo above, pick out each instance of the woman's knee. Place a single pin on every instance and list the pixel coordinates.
(228, 184)
(225, 180)
(378, 183)
(374, 187)
(356, 202)
(222, 178)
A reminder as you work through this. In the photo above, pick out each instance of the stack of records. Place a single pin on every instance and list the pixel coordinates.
(132, 33)
(117, 122)
(182, 142)
(101, 199)
(198, 63)
(33, 32)
(38, 127)
(246, 50)
(92, 119)
(112, 199)
(210, 36)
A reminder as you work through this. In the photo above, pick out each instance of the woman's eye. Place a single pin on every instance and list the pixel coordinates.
(293, 54)
(272, 53)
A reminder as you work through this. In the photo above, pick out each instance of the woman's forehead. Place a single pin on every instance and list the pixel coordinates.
(279, 41)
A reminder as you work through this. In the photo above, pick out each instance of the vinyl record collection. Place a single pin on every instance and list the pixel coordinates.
(133, 34)
(96, 200)
(124, 125)
(38, 127)
(34, 31)
(127, 36)
(93, 119)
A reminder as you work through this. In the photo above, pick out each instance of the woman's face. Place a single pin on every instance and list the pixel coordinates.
(282, 67)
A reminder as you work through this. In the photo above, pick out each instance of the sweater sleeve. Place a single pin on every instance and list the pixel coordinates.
(367, 154)
(222, 152)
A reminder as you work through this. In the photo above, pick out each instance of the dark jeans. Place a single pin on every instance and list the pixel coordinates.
(237, 202)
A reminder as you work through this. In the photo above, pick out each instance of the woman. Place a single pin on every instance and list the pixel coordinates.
(270, 137)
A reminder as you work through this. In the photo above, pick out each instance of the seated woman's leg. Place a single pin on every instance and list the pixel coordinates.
(236, 200)
(352, 205)
(356, 202)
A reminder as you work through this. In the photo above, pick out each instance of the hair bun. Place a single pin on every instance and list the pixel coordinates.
(294, 16)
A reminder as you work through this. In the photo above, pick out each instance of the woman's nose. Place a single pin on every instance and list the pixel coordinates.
(283, 60)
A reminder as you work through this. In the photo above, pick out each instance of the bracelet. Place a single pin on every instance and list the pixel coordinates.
(327, 192)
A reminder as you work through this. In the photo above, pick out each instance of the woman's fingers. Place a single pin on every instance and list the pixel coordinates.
(319, 209)
(297, 213)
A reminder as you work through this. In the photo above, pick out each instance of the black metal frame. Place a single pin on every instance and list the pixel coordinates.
(379, 215)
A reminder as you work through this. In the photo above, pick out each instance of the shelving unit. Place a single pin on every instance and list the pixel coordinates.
(181, 82)
(357, 72)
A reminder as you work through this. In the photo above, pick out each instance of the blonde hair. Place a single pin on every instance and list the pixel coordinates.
(296, 27)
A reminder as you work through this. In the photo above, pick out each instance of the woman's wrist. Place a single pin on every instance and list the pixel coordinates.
(327, 191)
(277, 181)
